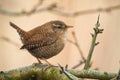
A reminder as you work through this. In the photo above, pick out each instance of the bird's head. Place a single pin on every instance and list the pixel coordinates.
(59, 26)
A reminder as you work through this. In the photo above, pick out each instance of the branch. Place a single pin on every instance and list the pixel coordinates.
(93, 44)
(9, 40)
(85, 12)
(27, 13)
(70, 76)
(55, 9)
(37, 72)
(77, 45)
(77, 65)
(79, 49)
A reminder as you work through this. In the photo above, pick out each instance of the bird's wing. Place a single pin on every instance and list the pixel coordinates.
(38, 40)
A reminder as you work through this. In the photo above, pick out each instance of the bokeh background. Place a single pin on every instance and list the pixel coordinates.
(106, 55)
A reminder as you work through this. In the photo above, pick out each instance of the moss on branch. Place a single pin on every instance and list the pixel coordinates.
(37, 72)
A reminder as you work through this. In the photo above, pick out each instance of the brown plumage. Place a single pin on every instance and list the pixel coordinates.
(44, 41)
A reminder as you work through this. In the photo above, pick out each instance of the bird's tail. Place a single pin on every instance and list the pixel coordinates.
(21, 32)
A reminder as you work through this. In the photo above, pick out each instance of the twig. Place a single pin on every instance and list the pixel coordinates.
(9, 41)
(77, 45)
(85, 12)
(79, 49)
(70, 76)
(77, 65)
(27, 13)
(35, 7)
(93, 44)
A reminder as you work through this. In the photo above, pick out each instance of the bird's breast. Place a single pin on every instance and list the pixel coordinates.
(65, 37)
(49, 51)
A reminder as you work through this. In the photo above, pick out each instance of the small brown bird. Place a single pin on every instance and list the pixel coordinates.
(44, 41)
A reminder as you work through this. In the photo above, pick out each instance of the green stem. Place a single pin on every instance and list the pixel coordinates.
(87, 63)
(93, 44)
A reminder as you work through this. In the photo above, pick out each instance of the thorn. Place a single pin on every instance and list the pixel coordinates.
(62, 69)
(92, 34)
(98, 23)
(97, 43)
(98, 19)
(60, 66)
(101, 30)
(66, 66)
(96, 30)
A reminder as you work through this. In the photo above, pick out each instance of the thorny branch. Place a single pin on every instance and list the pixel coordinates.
(56, 10)
(97, 31)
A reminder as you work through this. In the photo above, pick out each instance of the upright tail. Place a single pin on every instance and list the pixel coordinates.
(21, 32)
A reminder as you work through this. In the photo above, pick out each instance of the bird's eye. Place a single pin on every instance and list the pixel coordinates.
(57, 26)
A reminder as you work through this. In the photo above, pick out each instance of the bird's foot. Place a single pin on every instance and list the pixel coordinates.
(47, 67)
(35, 64)
(39, 62)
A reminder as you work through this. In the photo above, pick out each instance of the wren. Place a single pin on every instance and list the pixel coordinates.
(44, 41)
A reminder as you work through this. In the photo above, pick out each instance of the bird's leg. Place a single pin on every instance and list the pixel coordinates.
(39, 60)
(49, 64)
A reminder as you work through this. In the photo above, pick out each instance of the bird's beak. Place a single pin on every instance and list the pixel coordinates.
(69, 26)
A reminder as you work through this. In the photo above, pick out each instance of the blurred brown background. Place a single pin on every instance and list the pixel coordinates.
(106, 55)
